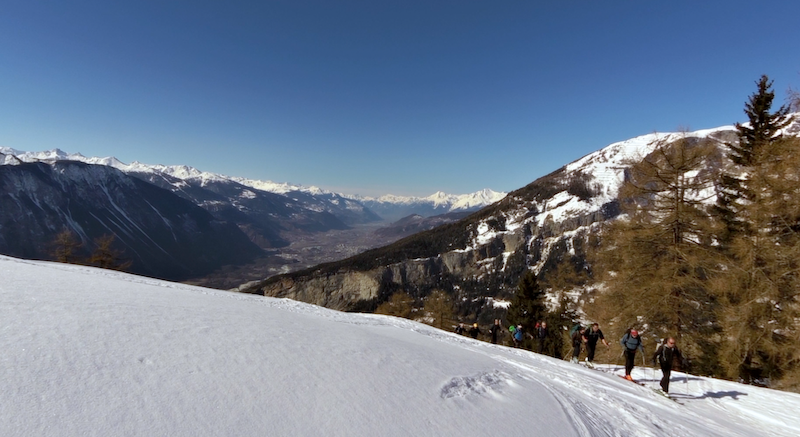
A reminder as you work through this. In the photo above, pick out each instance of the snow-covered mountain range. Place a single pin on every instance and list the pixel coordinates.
(395, 206)
(296, 226)
(89, 352)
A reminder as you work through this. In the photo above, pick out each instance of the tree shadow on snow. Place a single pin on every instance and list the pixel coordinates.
(710, 394)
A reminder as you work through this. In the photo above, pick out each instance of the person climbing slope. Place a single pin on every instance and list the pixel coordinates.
(495, 330)
(592, 337)
(630, 343)
(577, 342)
(667, 355)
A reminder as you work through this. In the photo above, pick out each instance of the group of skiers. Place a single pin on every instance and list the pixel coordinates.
(590, 338)
(494, 332)
(518, 333)
(667, 355)
(540, 335)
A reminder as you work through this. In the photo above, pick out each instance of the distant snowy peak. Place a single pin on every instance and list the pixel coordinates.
(479, 198)
(279, 187)
(440, 199)
(47, 155)
(54, 155)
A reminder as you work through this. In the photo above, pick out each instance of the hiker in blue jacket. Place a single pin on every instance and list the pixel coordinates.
(518, 336)
(630, 342)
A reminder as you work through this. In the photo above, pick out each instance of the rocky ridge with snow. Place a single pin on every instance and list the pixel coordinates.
(483, 256)
(437, 203)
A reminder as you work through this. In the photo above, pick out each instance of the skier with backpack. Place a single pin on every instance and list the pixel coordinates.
(577, 341)
(541, 335)
(592, 337)
(630, 342)
(667, 355)
(495, 330)
(518, 335)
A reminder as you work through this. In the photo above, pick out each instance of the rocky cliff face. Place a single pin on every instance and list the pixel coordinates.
(490, 269)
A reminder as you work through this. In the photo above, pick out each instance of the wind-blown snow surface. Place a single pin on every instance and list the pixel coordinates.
(88, 352)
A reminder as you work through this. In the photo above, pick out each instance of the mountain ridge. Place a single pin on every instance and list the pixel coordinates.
(163, 235)
(295, 229)
(548, 222)
(439, 199)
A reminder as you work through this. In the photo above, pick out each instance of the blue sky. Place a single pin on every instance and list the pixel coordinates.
(378, 97)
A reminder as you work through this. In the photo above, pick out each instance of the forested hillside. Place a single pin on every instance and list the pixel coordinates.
(692, 235)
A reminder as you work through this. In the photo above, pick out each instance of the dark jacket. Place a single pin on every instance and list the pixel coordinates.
(593, 337)
(495, 331)
(577, 339)
(541, 333)
(668, 357)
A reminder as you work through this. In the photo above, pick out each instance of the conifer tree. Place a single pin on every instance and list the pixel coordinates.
(567, 282)
(528, 305)
(66, 247)
(738, 187)
(656, 258)
(400, 304)
(759, 245)
(106, 257)
(438, 310)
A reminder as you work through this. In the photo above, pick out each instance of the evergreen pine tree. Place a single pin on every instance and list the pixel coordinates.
(655, 260)
(736, 188)
(66, 247)
(759, 245)
(528, 305)
(439, 310)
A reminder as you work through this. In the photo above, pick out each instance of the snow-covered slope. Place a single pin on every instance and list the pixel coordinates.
(568, 213)
(88, 352)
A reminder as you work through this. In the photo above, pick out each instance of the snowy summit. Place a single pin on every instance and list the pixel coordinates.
(88, 352)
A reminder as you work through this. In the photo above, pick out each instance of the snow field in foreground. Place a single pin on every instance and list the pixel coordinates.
(89, 352)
